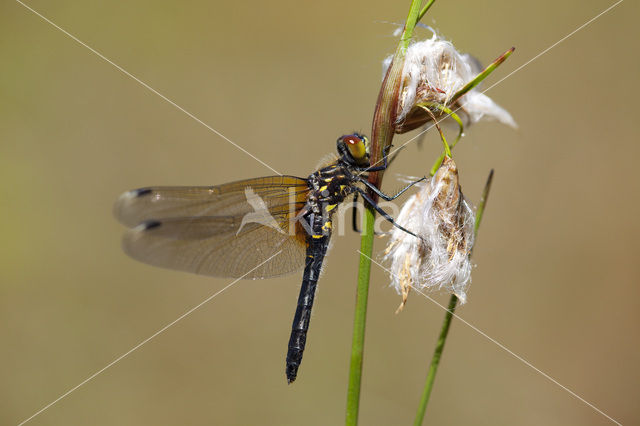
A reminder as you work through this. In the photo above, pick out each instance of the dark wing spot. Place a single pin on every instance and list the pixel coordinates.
(150, 224)
(142, 191)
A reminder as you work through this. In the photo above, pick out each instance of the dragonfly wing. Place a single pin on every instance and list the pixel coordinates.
(163, 202)
(257, 251)
(245, 229)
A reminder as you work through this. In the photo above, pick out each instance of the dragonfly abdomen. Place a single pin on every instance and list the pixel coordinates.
(316, 251)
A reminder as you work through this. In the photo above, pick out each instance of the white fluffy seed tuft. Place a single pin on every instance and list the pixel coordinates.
(433, 72)
(444, 220)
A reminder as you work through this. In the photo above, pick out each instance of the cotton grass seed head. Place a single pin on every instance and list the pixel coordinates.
(444, 220)
(433, 72)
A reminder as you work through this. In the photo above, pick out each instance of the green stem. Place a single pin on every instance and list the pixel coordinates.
(427, 106)
(435, 360)
(415, 14)
(446, 323)
(360, 317)
(383, 129)
(447, 150)
(482, 204)
(425, 9)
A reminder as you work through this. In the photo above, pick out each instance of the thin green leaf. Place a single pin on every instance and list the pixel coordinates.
(488, 70)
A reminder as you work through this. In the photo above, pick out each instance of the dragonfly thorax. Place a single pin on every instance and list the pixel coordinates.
(328, 187)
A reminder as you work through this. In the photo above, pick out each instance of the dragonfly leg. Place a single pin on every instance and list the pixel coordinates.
(384, 165)
(383, 213)
(354, 218)
(354, 214)
(382, 194)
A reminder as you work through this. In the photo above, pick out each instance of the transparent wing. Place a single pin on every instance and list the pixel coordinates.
(223, 231)
(162, 202)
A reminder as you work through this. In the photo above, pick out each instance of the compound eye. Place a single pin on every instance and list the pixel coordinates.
(356, 146)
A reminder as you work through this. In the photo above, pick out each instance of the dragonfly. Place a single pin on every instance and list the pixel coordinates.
(255, 228)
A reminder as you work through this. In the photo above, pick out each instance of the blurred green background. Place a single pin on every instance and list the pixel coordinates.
(558, 271)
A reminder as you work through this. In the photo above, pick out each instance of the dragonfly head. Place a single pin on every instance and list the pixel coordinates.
(354, 149)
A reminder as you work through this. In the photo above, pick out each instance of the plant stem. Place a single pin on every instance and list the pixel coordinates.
(425, 9)
(482, 204)
(437, 353)
(445, 145)
(435, 360)
(359, 321)
(383, 129)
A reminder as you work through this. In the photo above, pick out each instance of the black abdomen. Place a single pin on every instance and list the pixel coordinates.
(316, 251)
